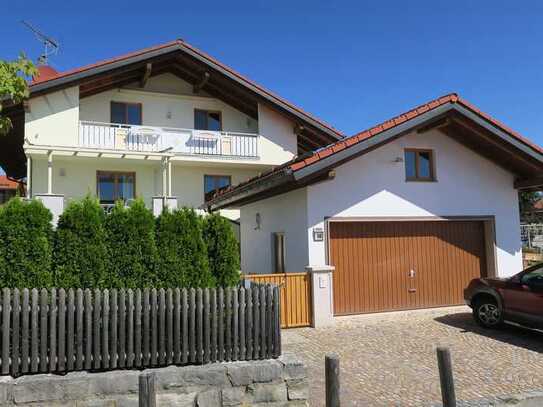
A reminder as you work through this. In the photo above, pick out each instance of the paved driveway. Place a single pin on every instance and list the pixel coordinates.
(389, 359)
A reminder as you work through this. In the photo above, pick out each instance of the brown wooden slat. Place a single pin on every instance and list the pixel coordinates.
(373, 261)
(58, 331)
(295, 296)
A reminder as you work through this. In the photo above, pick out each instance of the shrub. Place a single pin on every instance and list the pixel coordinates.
(222, 250)
(182, 251)
(25, 244)
(131, 246)
(79, 255)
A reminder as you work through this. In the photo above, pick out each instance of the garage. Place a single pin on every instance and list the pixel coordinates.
(385, 266)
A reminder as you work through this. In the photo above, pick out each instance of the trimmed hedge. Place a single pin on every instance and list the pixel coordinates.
(80, 253)
(182, 252)
(131, 246)
(25, 244)
(127, 248)
(222, 250)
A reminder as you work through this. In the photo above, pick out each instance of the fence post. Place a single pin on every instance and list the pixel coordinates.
(446, 377)
(331, 372)
(147, 390)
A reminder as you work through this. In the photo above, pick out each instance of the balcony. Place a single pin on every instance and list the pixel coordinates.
(110, 136)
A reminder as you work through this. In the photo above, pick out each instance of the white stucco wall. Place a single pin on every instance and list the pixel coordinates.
(278, 143)
(79, 178)
(188, 184)
(166, 102)
(374, 185)
(284, 213)
(53, 119)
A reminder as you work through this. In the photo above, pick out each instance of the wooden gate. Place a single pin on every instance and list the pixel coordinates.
(295, 291)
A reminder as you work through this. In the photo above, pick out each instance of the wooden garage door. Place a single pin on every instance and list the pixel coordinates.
(404, 265)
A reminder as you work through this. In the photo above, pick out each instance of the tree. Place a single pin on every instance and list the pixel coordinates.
(26, 244)
(182, 251)
(79, 255)
(527, 199)
(131, 246)
(13, 85)
(222, 250)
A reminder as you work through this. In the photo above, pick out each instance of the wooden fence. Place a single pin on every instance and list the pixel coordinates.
(295, 289)
(59, 331)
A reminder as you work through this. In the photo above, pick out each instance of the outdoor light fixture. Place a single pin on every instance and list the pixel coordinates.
(258, 220)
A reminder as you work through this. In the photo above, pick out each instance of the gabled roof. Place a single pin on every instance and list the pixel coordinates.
(453, 115)
(176, 57)
(52, 82)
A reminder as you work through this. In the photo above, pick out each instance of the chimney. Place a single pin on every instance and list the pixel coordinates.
(45, 72)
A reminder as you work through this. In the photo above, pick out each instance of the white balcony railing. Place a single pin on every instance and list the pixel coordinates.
(122, 137)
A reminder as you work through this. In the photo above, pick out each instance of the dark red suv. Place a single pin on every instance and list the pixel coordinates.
(516, 299)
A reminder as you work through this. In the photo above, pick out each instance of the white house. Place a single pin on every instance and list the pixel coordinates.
(400, 216)
(169, 124)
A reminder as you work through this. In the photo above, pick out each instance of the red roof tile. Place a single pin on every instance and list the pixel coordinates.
(6, 183)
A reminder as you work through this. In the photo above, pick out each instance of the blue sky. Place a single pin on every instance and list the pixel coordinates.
(352, 64)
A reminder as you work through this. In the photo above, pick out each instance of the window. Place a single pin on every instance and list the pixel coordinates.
(419, 165)
(533, 278)
(214, 183)
(279, 252)
(126, 113)
(113, 186)
(207, 120)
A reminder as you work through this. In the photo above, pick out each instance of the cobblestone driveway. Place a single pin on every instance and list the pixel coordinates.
(389, 359)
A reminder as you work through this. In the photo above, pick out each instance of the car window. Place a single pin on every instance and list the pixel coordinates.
(534, 276)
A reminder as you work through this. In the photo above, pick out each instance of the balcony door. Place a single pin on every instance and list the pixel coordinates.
(126, 113)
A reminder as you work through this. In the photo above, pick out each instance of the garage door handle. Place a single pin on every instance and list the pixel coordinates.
(412, 290)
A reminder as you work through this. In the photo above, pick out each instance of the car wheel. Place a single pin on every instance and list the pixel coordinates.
(487, 313)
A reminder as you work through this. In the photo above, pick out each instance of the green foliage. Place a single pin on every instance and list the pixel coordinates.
(131, 246)
(26, 242)
(182, 251)
(222, 249)
(79, 255)
(528, 214)
(13, 85)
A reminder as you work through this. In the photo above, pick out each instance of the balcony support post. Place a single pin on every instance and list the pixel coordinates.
(28, 177)
(164, 176)
(169, 177)
(50, 172)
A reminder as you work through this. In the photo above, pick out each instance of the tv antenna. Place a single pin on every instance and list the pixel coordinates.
(50, 45)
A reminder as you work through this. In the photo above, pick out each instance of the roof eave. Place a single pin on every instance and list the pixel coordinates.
(49, 85)
(406, 127)
(53, 84)
(248, 191)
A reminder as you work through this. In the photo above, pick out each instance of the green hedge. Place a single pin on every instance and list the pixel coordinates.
(80, 253)
(25, 244)
(126, 248)
(182, 252)
(222, 250)
(131, 246)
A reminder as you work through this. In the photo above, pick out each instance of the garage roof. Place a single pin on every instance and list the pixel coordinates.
(451, 114)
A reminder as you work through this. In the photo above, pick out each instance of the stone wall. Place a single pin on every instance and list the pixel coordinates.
(281, 382)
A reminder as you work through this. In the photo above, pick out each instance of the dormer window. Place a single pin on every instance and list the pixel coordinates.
(419, 165)
(207, 120)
